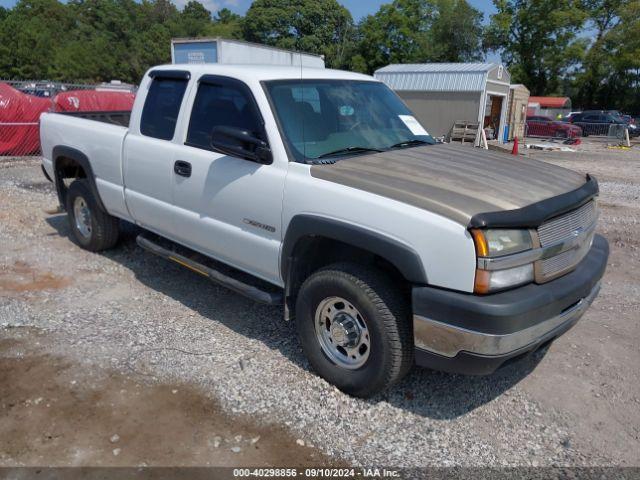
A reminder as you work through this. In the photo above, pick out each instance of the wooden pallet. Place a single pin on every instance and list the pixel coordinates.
(464, 131)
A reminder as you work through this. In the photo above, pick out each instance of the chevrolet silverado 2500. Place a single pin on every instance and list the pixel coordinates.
(318, 190)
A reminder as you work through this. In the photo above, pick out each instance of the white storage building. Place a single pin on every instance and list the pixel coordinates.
(441, 94)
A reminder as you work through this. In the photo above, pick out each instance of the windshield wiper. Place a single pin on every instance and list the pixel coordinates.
(349, 150)
(410, 143)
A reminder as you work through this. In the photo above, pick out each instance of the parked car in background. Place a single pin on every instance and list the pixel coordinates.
(598, 122)
(634, 129)
(541, 126)
(569, 116)
(632, 125)
(44, 90)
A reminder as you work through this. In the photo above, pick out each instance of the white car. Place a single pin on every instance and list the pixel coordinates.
(318, 190)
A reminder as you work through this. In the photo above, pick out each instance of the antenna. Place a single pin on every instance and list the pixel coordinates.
(304, 143)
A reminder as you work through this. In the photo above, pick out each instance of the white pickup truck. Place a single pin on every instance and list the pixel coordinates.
(318, 190)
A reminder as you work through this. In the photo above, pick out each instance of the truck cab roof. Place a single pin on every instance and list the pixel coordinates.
(250, 73)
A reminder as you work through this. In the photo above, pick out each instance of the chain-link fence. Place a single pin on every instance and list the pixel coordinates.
(609, 130)
(546, 129)
(22, 102)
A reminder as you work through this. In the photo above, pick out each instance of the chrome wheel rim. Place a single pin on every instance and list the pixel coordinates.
(342, 333)
(82, 215)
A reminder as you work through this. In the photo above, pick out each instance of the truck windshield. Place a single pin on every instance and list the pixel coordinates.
(336, 118)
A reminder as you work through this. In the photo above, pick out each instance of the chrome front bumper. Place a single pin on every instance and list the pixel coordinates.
(448, 340)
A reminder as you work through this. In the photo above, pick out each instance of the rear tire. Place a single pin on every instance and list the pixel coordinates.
(341, 302)
(92, 228)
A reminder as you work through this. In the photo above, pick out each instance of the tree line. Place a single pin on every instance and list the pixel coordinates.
(587, 49)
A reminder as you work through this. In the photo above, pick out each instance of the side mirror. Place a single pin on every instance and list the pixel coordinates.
(238, 142)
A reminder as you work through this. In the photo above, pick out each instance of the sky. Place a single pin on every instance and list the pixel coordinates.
(358, 8)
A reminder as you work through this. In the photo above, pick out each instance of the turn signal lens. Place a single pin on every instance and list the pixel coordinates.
(482, 249)
(483, 282)
(492, 281)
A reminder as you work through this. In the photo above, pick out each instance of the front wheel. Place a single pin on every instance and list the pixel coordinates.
(355, 328)
(92, 228)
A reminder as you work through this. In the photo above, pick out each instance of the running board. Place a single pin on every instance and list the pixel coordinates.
(177, 254)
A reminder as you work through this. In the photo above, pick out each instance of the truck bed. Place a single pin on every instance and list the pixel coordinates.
(99, 136)
(118, 117)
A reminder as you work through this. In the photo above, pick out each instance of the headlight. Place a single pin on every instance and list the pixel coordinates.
(495, 243)
(499, 243)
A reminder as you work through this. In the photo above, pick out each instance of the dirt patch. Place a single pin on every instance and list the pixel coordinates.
(58, 413)
(20, 277)
(41, 186)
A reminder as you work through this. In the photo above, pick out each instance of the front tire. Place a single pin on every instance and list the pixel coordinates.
(92, 228)
(355, 328)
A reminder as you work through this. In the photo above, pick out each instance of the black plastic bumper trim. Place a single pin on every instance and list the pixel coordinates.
(517, 309)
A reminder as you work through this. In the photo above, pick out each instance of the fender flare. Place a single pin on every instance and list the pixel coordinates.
(402, 256)
(77, 156)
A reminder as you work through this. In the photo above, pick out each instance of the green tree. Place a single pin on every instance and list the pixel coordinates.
(157, 22)
(227, 24)
(397, 33)
(416, 31)
(195, 19)
(538, 40)
(226, 16)
(607, 73)
(316, 26)
(29, 33)
(99, 46)
(456, 32)
(624, 43)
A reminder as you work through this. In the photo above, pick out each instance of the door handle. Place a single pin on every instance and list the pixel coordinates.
(182, 168)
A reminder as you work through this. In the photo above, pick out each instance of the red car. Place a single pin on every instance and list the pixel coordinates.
(540, 126)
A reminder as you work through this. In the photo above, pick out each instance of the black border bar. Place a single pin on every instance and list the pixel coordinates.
(534, 215)
(177, 74)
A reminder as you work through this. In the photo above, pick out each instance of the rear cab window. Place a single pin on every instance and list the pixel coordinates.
(162, 104)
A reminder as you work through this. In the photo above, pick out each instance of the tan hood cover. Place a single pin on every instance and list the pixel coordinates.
(453, 180)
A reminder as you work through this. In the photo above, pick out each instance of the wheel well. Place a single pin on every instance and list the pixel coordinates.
(67, 168)
(311, 253)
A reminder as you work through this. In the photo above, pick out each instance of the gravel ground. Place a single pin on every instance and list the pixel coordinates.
(136, 315)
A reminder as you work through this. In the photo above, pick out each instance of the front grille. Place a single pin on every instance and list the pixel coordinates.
(562, 228)
(565, 261)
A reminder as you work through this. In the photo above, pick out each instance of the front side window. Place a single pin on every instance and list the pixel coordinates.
(162, 107)
(221, 103)
(332, 118)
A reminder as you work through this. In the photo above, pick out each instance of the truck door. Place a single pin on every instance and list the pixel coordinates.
(228, 207)
(149, 150)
